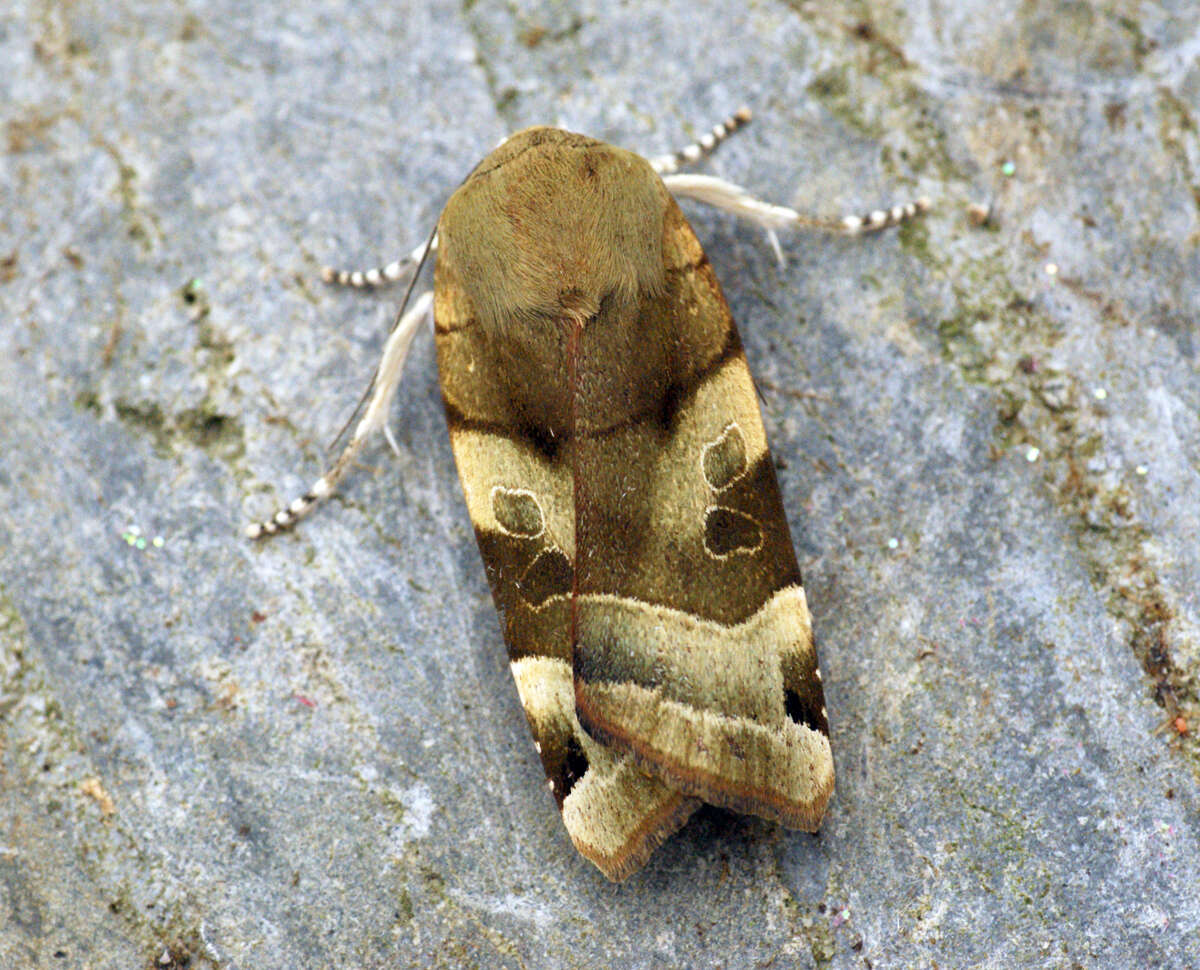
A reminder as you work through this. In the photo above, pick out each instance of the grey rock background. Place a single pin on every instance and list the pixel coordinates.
(309, 754)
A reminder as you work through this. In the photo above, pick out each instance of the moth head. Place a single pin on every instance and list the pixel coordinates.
(550, 225)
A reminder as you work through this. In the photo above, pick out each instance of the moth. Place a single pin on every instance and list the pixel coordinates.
(616, 470)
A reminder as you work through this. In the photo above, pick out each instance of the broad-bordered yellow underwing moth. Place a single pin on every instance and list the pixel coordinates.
(616, 471)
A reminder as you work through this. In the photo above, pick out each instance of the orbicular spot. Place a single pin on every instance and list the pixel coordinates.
(549, 574)
(517, 511)
(728, 531)
(724, 460)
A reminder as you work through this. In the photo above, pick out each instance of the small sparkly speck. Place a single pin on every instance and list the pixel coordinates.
(1008, 169)
(1142, 470)
(1052, 269)
(140, 542)
(158, 542)
(1099, 394)
(979, 214)
(1033, 454)
(893, 543)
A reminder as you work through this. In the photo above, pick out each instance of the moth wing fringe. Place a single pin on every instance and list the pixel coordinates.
(652, 831)
(713, 784)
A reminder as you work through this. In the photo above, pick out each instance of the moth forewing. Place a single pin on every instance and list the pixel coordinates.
(613, 458)
(612, 453)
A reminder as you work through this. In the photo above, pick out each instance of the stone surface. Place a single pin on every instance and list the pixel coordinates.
(308, 753)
